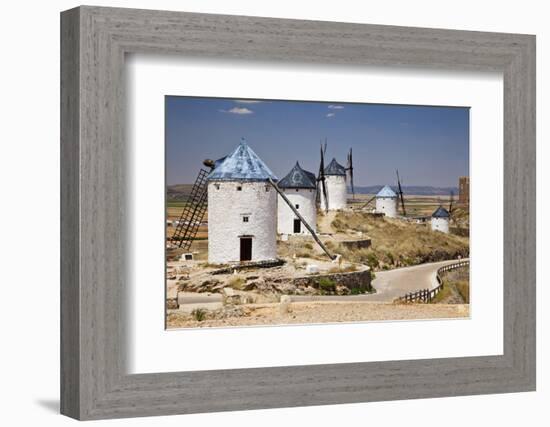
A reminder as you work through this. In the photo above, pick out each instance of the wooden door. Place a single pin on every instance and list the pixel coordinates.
(246, 248)
(297, 226)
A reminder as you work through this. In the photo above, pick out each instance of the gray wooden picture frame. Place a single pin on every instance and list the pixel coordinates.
(94, 382)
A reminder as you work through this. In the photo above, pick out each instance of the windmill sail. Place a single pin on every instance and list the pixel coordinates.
(400, 192)
(192, 214)
(321, 178)
(350, 171)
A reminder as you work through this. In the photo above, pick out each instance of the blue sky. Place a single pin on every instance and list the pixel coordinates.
(429, 145)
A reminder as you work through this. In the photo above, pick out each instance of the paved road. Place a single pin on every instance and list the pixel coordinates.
(391, 284)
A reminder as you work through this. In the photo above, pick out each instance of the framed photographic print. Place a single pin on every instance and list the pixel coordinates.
(345, 212)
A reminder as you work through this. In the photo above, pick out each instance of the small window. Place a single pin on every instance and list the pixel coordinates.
(297, 190)
(217, 186)
(239, 188)
(297, 206)
(245, 218)
(266, 188)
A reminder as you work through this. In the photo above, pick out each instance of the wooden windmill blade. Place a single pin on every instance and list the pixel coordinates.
(350, 171)
(301, 218)
(400, 191)
(451, 200)
(368, 202)
(322, 176)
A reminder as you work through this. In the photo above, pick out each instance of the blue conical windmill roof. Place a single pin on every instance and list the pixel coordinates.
(243, 164)
(386, 191)
(298, 178)
(441, 212)
(335, 168)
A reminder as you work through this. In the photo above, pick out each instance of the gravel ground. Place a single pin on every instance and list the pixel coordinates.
(322, 312)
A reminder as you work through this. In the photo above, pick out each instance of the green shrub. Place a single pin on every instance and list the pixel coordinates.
(199, 314)
(372, 260)
(326, 284)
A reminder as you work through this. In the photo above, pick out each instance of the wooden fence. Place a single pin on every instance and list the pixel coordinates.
(427, 295)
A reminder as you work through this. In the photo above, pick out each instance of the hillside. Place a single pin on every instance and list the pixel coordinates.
(396, 243)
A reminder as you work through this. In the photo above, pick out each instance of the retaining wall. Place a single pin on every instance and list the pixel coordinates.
(352, 280)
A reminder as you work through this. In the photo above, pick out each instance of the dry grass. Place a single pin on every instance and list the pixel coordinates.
(397, 243)
(444, 294)
(236, 282)
(346, 269)
(461, 280)
(463, 289)
(456, 289)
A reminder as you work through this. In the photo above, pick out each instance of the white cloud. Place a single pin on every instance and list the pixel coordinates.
(247, 101)
(238, 110)
(336, 107)
(331, 115)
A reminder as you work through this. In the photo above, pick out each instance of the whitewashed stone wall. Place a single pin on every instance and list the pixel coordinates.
(337, 192)
(303, 197)
(440, 224)
(226, 208)
(387, 206)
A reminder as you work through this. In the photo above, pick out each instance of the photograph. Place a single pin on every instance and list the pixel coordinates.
(301, 212)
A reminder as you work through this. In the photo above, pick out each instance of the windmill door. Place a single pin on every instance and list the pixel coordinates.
(246, 248)
(297, 226)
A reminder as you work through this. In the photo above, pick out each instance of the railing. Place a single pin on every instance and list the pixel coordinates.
(427, 295)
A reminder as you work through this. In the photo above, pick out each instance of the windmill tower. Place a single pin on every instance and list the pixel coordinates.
(299, 186)
(440, 220)
(334, 181)
(386, 202)
(242, 209)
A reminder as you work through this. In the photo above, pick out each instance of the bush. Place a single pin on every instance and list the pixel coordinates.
(199, 314)
(372, 260)
(326, 284)
(308, 246)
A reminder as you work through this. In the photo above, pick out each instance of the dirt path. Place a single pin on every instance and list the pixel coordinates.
(324, 222)
(325, 312)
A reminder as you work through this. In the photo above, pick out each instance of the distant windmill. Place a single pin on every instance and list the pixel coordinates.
(400, 193)
(349, 169)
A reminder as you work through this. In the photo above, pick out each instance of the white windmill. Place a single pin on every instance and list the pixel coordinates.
(300, 188)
